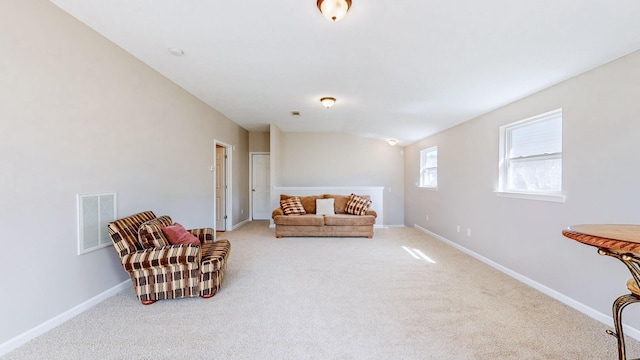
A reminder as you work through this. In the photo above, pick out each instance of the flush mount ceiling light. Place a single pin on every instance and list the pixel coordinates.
(334, 10)
(328, 101)
(392, 142)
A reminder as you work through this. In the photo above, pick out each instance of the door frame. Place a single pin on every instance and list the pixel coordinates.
(228, 177)
(251, 180)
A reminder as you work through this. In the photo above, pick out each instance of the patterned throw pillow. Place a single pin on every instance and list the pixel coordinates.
(357, 205)
(292, 206)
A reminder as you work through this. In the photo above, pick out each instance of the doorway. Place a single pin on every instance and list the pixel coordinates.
(260, 186)
(222, 187)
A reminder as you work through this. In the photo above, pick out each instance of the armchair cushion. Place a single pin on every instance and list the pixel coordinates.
(150, 233)
(176, 234)
(159, 257)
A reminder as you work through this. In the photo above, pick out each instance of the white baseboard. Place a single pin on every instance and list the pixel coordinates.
(240, 224)
(33, 333)
(591, 312)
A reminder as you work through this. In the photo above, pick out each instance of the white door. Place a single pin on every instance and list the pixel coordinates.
(260, 186)
(221, 189)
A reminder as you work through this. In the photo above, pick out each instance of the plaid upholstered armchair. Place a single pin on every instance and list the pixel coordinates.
(160, 270)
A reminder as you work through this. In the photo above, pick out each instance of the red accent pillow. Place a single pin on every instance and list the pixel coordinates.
(177, 234)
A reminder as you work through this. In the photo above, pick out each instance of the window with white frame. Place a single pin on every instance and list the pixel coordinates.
(429, 167)
(531, 155)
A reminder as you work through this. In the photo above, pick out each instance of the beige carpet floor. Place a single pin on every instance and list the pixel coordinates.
(337, 298)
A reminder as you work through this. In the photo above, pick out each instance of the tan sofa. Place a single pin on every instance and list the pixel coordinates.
(312, 224)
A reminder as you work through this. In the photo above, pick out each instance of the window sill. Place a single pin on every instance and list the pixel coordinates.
(428, 188)
(531, 196)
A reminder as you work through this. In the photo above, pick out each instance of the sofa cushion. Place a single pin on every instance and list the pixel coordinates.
(308, 202)
(176, 234)
(324, 207)
(339, 202)
(292, 206)
(150, 232)
(357, 205)
(301, 220)
(349, 220)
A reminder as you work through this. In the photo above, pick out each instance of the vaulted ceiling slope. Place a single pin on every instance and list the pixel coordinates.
(399, 69)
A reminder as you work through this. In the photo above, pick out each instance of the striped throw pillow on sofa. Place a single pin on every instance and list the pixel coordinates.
(357, 205)
(292, 206)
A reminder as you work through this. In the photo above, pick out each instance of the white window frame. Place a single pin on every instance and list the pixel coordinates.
(423, 167)
(503, 181)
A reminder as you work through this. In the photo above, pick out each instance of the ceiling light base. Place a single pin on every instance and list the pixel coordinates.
(334, 10)
(328, 102)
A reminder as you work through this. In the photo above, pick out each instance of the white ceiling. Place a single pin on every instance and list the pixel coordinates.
(399, 69)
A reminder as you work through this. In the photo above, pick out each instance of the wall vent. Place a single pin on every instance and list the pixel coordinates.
(95, 211)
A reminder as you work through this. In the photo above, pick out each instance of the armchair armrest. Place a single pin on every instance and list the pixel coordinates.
(205, 235)
(277, 212)
(371, 212)
(162, 256)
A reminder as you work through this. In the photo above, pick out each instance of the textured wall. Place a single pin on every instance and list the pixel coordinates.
(259, 141)
(79, 115)
(600, 181)
(337, 159)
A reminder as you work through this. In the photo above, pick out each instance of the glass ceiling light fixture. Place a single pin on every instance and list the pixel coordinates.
(328, 102)
(392, 142)
(334, 10)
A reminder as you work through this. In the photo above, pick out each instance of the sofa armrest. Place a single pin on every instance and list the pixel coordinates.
(205, 235)
(162, 256)
(277, 212)
(371, 212)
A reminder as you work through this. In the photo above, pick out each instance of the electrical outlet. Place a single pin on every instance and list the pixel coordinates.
(469, 232)
(427, 217)
(458, 228)
(241, 211)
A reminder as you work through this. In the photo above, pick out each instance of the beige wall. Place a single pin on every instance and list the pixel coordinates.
(601, 151)
(259, 141)
(275, 161)
(337, 159)
(79, 115)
